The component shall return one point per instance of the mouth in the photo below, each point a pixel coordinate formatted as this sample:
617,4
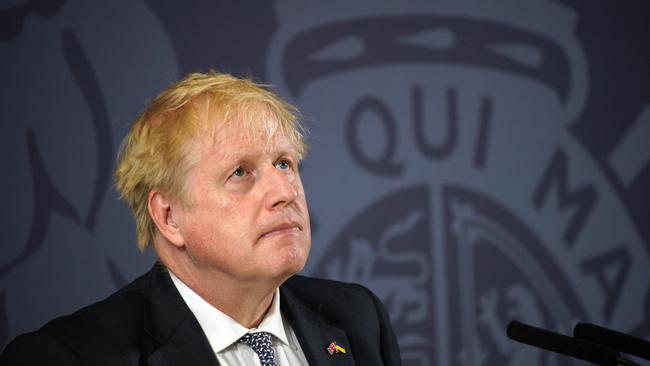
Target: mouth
282,229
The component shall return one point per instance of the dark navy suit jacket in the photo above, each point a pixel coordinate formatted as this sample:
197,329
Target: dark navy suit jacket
148,323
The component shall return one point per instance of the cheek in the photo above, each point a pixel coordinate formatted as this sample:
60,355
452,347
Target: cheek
218,228
215,246
200,231
302,202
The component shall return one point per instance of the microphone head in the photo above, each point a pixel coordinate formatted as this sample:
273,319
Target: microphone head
614,339
562,344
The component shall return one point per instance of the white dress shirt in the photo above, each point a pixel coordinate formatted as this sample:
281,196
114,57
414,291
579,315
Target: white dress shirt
223,332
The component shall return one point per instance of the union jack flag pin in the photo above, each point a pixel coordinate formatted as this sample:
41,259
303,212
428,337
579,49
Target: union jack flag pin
333,348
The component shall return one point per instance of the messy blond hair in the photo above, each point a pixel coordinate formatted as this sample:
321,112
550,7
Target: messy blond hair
154,152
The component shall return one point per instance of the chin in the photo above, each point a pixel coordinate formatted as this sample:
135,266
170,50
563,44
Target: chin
297,262
294,260
288,256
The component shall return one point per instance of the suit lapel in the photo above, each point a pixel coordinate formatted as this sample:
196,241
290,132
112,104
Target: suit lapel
187,346
314,334
178,338
172,325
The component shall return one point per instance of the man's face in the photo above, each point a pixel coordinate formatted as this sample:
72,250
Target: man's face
247,218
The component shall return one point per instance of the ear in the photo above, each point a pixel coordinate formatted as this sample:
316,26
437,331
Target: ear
163,211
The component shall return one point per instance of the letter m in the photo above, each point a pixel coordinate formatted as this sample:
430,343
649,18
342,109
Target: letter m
581,199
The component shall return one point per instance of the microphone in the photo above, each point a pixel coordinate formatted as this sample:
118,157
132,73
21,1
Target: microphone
577,348
611,338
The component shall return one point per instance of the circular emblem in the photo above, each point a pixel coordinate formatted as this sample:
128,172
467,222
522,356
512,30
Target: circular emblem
446,179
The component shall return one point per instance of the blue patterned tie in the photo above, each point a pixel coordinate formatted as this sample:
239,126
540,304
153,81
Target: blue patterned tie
260,343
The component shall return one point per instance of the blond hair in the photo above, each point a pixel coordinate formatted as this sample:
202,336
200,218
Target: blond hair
154,154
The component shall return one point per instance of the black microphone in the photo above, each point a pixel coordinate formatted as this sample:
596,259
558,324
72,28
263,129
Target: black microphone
577,348
614,339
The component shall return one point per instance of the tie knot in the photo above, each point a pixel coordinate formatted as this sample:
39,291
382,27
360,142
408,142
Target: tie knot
260,342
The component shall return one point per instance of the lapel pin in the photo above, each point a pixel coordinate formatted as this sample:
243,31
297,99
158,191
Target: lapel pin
333,348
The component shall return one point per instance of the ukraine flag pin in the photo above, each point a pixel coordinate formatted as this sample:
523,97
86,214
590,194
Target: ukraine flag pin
333,348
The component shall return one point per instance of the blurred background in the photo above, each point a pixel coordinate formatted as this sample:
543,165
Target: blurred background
471,162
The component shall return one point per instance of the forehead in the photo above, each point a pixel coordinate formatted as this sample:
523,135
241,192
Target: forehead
232,139
247,121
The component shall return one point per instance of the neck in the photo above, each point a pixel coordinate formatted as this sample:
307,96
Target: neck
246,302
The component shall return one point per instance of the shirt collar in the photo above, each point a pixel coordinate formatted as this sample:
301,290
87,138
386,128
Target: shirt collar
220,329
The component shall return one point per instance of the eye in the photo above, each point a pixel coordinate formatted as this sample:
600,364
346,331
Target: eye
239,173
283,165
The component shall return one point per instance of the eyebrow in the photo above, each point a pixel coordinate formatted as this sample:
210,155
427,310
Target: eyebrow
246,155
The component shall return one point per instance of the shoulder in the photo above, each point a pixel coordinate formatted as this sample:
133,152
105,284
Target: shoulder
38,347
81,335
104,320
349,307
328,290
341,302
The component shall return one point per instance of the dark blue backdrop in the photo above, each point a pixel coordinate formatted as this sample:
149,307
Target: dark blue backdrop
472,162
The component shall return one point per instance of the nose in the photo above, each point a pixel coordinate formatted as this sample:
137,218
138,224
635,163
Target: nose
280,188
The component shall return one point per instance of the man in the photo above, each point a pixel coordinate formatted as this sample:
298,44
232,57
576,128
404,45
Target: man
210,170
